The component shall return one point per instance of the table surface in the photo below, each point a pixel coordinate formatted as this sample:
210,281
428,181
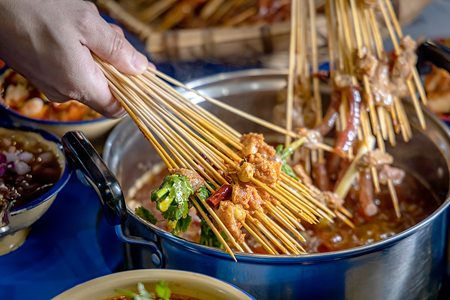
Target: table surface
63,248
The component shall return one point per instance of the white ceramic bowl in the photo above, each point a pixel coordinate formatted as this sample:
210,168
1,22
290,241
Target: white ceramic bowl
92,129
22,218
180,282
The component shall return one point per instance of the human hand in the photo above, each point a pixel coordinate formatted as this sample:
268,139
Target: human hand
50,43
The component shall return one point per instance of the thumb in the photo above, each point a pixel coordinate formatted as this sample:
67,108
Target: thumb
115,49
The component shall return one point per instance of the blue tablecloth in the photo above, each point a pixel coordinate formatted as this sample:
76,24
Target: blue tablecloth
61,251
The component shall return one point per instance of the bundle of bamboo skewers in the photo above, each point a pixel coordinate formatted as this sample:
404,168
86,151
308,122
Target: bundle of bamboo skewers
189,137
357,56
181,131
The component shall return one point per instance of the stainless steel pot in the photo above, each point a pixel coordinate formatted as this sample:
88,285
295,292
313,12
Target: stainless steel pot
406,266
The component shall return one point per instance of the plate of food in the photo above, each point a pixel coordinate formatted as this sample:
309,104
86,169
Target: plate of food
26,105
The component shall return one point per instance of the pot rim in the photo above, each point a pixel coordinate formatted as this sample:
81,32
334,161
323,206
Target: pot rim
284,259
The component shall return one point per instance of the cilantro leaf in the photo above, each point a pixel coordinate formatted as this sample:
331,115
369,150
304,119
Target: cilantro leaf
182,225
144,295
162,290
126,293
146,214
144,292
207,236
203,193
172,199
288,170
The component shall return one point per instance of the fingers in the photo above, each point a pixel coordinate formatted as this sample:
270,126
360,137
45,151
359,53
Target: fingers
93,6
120,31
117,29
112,46
98,95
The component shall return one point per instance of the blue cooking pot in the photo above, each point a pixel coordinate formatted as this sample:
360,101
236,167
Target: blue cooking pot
409,265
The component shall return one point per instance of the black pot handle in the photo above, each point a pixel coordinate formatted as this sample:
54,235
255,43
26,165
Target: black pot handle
81,155
432,52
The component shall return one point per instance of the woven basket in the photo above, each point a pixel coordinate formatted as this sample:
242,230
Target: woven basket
219,44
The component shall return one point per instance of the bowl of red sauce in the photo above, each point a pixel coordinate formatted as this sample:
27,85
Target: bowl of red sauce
24,104
33,169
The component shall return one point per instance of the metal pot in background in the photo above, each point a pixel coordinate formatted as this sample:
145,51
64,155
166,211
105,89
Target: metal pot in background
406,266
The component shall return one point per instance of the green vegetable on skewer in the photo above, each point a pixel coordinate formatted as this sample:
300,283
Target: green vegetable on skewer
172,199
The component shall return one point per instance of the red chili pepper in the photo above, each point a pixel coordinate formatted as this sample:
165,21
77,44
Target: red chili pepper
323,75
331,115
320,177
349,134
206,159
221,194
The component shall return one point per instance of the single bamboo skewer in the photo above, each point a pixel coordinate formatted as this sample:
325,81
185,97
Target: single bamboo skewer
291,74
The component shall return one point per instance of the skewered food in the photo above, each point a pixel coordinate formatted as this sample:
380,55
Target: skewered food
164,15
437,87
18,94
249,189
372,213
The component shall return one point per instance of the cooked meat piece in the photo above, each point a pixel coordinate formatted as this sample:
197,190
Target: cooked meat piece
381,87
388,172
342,80
437,83
302,88
268,172
408,44
312,138
440,105
266,197
279,112
300,172
231,215
331,200
398,87
195,180
366,194
403,65
374,158
303,112
437,87
247,196
382,95
240,195
366,65
381,75
254,143
246,172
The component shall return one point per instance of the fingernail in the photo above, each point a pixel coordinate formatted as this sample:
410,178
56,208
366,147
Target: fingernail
140,62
